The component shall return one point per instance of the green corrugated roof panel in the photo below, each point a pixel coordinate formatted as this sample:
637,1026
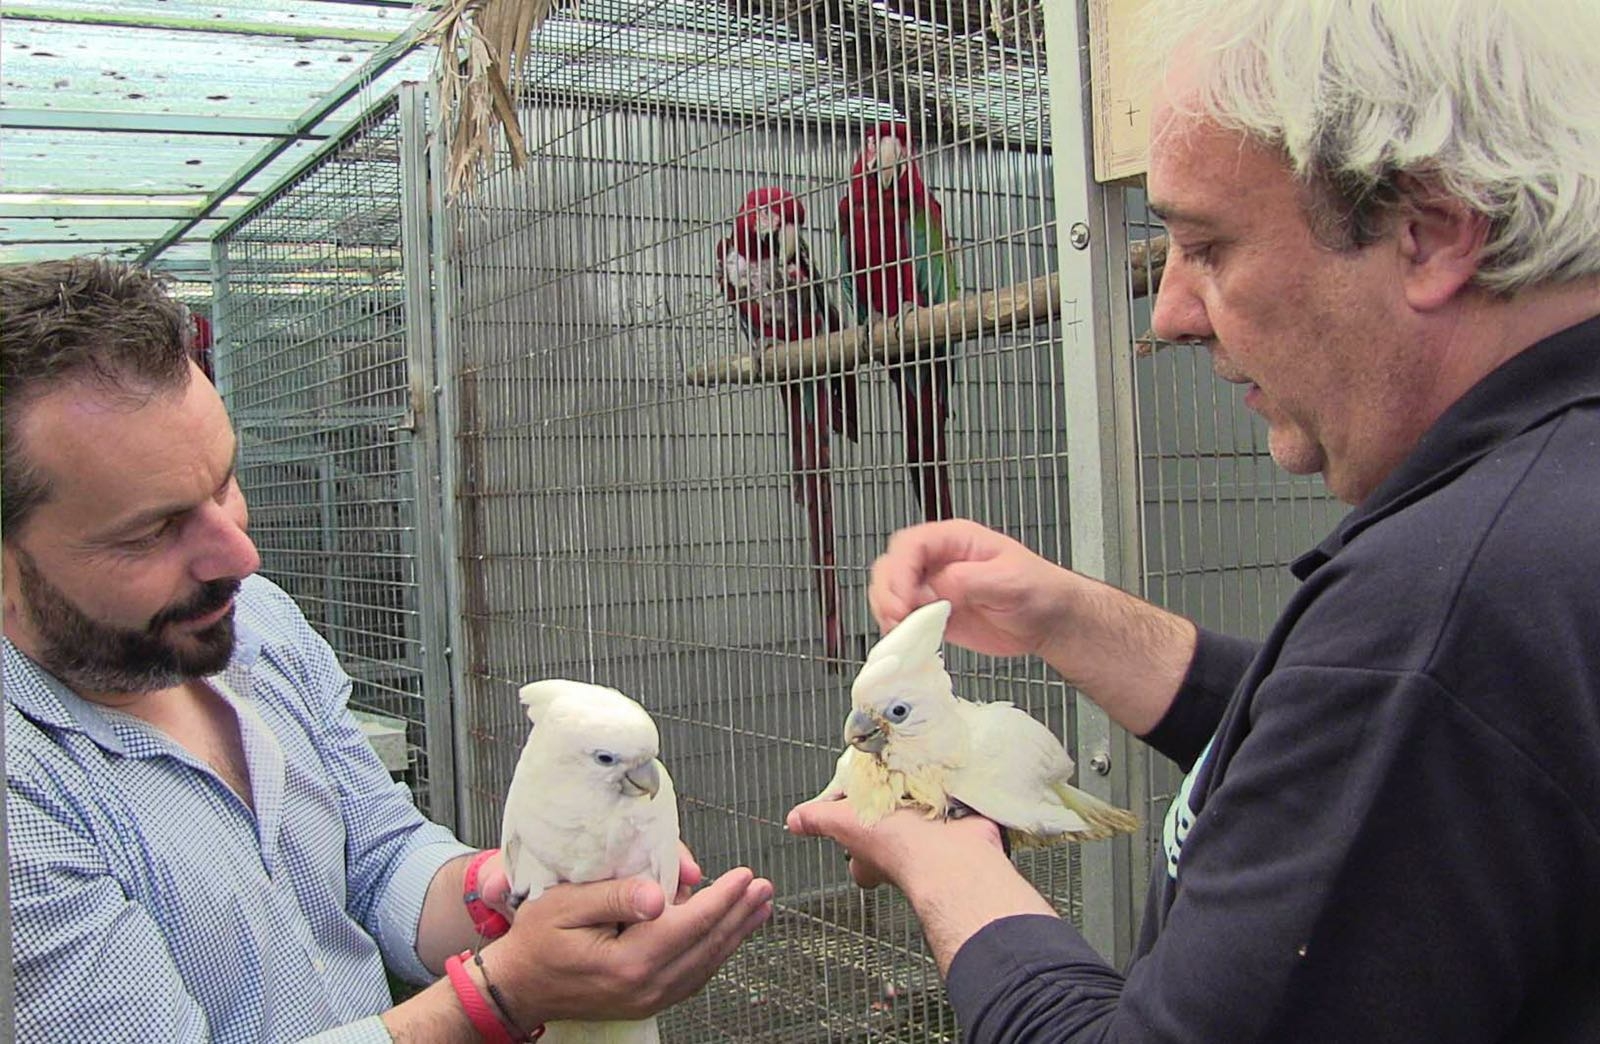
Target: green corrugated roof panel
166,100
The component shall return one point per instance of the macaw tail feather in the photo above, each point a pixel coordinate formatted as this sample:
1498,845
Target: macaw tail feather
844,406
924,397
810,455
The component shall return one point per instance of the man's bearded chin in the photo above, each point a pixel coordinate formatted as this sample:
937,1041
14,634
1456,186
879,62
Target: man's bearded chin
90,656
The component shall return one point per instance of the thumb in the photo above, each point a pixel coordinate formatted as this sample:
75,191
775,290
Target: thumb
626,901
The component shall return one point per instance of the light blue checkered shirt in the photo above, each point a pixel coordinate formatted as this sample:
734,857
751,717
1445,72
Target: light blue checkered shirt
149,903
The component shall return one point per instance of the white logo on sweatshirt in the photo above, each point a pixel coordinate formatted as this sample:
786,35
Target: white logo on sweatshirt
1180,815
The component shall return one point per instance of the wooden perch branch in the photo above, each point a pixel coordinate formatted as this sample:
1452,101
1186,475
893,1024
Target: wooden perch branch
917,329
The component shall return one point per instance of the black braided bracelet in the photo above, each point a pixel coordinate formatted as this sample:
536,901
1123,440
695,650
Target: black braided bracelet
500,1002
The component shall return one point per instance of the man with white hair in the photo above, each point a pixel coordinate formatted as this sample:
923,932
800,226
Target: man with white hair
1385,225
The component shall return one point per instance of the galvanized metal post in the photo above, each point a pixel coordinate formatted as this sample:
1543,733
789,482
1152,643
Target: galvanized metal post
1100,447
442,398
433,602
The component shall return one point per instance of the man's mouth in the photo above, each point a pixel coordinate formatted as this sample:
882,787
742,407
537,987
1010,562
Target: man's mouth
213,603
207,619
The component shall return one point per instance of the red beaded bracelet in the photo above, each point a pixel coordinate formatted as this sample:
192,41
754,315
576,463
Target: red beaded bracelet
479,1013
490,923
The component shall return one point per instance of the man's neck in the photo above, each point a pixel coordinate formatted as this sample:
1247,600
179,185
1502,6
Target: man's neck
197,718
1486,332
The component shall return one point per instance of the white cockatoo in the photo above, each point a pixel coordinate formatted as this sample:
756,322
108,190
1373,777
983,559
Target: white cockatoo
589,801
912,741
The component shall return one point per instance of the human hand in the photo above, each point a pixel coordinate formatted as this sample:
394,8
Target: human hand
1005,600
905,848
954,871
494,886
617,949
689,874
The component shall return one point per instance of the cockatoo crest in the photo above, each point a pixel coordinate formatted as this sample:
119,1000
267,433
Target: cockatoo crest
903,687
592,729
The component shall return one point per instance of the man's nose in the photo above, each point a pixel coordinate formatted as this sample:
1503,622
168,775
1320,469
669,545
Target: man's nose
226,549
1179,313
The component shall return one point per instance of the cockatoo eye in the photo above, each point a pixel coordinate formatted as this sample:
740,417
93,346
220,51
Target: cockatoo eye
605,757
899,710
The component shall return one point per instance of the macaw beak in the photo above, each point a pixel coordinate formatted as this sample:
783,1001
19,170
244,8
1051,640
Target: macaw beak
863,732
889,156
646,779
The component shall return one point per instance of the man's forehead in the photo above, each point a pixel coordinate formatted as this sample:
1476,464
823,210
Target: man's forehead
1204,174
105,454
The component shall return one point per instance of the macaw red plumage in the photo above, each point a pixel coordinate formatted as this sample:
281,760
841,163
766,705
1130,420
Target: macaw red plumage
893,256
765,272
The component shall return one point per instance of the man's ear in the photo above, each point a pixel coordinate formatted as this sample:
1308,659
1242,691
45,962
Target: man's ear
1441,240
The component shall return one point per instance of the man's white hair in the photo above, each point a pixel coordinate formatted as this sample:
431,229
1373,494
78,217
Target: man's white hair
1496,102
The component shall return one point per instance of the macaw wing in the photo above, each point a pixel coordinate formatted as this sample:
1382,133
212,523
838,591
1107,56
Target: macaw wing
935,268
855,304
824,315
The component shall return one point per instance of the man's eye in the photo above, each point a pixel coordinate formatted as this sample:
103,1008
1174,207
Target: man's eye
147,540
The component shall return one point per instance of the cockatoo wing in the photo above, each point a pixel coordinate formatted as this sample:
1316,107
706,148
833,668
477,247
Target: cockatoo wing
1017,775
661,837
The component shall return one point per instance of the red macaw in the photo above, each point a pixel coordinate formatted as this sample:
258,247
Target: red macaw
765,271
893,255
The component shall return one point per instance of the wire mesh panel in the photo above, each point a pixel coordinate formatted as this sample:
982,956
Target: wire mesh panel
638,502
313,363
1219,520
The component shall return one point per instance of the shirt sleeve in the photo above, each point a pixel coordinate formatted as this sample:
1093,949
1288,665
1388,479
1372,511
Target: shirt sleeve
1356,793
392,850
1214,674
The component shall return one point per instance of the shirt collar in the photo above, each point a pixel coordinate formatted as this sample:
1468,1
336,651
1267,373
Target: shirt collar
1534,385
46,700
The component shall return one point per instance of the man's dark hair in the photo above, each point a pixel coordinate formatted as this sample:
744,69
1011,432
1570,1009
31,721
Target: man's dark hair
81,319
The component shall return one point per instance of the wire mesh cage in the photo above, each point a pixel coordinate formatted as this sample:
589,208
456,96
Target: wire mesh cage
779,278
637,503
313,362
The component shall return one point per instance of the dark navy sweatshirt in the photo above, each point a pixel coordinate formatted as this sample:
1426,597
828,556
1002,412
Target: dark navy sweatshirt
1390,827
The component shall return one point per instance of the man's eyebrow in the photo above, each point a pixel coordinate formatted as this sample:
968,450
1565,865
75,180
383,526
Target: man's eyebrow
150,516
1169,213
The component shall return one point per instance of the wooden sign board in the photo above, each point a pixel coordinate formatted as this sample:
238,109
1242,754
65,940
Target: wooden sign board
1119,100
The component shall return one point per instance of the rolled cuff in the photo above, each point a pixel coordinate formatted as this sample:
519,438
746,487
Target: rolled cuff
400,912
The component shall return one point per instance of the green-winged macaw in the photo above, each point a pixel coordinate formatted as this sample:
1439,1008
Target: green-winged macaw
765,272
894,256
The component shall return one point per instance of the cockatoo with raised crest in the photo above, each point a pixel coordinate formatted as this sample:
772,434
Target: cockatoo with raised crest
589,801
912,741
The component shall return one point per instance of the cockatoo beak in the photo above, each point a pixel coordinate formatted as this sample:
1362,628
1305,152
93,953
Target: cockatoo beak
646,779
864,733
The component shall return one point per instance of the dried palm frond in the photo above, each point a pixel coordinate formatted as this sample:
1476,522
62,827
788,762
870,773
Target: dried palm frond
483,48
